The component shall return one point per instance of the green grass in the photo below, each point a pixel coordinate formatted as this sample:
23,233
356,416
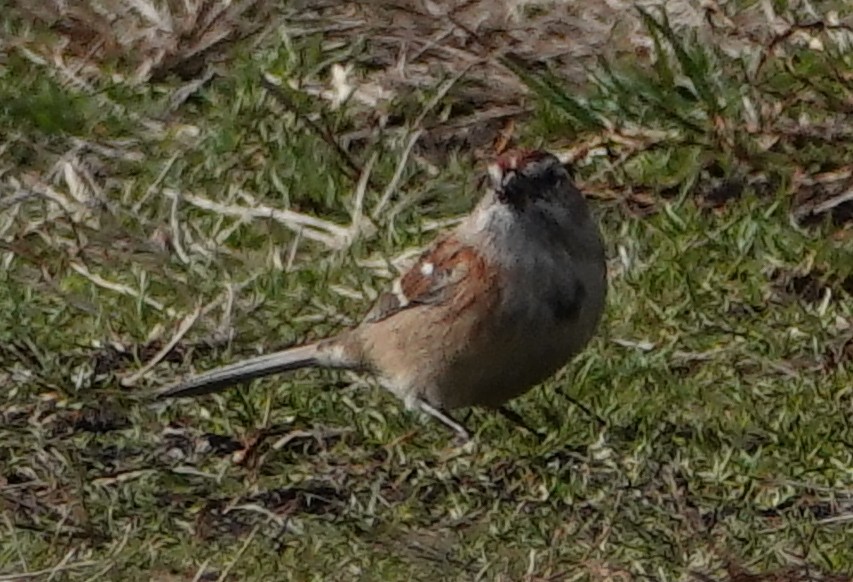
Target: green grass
707,429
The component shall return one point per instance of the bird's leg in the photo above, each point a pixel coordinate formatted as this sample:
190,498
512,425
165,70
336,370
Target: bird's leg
584,408
516,418
445,419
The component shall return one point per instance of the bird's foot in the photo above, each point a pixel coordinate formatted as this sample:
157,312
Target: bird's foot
462,436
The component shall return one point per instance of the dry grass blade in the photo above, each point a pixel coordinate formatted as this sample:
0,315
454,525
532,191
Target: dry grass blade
185,326
120,288
328,233
61,567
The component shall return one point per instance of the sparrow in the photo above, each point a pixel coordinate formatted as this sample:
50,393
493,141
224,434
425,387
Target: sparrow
491,309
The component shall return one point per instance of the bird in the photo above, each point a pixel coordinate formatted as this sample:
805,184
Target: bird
492,308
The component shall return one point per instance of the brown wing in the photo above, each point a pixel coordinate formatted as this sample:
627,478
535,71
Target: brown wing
435,278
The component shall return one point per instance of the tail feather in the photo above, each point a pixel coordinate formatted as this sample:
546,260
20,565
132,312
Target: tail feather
219,379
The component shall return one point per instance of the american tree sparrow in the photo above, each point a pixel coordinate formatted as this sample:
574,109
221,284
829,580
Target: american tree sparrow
491,309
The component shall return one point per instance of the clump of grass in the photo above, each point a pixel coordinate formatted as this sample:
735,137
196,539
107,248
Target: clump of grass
772,117
154,39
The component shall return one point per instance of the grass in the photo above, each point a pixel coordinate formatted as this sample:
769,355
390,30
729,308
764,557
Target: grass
706,433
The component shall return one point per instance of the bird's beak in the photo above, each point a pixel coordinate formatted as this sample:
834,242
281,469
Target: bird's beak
495,176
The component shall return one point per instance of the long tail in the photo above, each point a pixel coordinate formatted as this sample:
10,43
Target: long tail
221,378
